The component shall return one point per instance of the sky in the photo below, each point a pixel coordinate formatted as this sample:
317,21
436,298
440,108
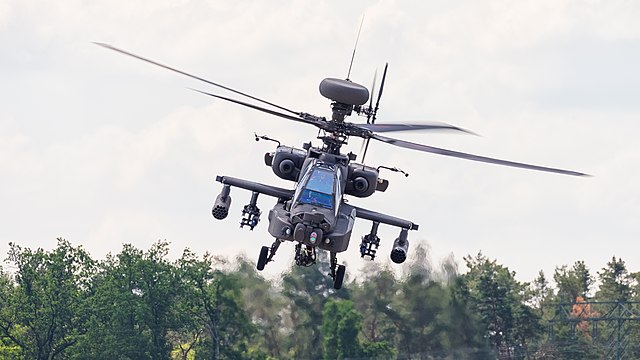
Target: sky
102,149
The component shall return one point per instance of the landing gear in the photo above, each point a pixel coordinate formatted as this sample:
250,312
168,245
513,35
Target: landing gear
305,255
262,259
337,272
267,253
337,281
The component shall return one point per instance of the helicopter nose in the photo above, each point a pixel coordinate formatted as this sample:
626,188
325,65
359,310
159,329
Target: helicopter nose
313,217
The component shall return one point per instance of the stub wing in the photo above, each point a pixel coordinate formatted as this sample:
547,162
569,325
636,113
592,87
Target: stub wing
384,219
280,193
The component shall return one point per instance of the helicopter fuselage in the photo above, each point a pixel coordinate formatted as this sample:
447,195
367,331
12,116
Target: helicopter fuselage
316,215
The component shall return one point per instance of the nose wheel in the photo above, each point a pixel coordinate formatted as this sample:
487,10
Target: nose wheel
339,277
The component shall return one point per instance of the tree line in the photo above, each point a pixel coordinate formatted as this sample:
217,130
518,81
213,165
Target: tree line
139,304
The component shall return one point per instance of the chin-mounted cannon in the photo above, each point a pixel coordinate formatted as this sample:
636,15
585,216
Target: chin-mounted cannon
400,247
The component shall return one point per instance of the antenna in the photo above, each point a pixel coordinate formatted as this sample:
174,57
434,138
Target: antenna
355,47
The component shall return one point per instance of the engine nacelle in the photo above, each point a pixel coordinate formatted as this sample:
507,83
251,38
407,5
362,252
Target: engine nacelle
221,205
287,162
400,248
362,180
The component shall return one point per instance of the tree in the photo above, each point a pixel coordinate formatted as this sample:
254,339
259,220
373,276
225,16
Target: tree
213,299
132,308
417,310
9,349
263,303
43,313
573,282
510,324
373,299
419,322
117,326
615,282
158,287
306,290
576,346
464,324
540,292
582,311
341,324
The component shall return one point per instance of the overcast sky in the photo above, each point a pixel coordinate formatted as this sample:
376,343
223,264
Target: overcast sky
102,149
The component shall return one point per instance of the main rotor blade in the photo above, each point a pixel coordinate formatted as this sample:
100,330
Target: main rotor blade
435,150
384,77
314,122
194,77
411,127
365,142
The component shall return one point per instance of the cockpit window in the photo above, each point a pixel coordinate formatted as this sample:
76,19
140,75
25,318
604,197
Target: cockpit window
315,198
321,180
319,188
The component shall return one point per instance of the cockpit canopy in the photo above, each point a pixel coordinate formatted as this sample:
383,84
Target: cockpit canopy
320,186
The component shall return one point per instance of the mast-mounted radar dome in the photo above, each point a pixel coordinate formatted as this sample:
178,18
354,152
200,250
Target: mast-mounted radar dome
344,91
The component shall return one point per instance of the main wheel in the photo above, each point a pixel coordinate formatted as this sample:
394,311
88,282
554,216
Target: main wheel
262,259
337,282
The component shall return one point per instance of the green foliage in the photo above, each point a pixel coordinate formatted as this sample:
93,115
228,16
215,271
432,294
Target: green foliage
540,293
381,350
573,282
500,301
43,312
263,303
9,350
132,304
61,304
574,345
306,290
615,281
213,305
341,325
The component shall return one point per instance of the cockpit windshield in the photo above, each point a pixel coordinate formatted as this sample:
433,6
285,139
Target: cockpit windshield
319,188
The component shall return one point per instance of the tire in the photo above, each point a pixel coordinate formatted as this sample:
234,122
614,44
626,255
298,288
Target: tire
337,282
262,259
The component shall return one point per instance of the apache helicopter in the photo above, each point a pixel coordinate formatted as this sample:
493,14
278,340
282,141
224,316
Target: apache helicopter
315,214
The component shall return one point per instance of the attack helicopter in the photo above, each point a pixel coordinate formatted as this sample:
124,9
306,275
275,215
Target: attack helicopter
315,214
